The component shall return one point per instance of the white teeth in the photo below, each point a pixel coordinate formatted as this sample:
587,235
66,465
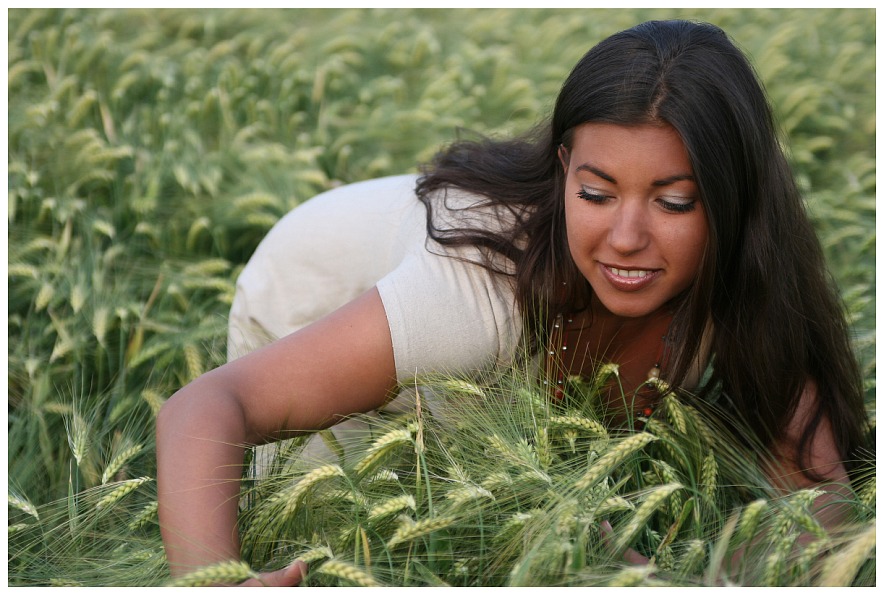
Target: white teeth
625,273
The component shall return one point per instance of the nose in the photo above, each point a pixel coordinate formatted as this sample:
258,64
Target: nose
628,232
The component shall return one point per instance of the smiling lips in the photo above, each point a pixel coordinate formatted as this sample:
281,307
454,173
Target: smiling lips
629,279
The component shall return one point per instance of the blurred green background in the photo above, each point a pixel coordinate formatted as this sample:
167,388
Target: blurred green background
150,151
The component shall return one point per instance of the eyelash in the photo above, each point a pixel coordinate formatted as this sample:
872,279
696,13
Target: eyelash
672,207
594,198
678,207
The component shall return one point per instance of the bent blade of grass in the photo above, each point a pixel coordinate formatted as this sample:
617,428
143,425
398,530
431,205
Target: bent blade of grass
719,551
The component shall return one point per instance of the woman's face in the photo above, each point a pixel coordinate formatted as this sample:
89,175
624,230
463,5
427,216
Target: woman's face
635,223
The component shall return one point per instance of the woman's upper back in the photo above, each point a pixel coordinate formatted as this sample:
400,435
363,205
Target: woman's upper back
446,314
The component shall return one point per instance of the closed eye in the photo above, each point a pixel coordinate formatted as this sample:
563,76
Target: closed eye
592,196
678,207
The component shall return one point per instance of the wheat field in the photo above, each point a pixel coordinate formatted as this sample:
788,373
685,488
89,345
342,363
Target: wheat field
149,151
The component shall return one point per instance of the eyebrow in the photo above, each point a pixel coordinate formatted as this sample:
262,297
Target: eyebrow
664,182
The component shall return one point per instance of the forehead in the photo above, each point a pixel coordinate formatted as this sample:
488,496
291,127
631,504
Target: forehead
612,145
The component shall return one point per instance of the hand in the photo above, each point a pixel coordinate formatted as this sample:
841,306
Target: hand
290,576
630,555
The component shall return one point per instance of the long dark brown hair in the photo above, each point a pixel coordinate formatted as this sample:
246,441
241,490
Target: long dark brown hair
774,316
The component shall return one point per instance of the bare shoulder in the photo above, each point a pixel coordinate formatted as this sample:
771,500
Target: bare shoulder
821,455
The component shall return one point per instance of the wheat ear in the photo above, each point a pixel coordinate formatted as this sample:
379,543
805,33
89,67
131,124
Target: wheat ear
147,513
577,422
316,554
524,458
382,446
118,461
614,457
841,568
692,558
709,476
654,500
22,504
121,490
675,413
632,576
409,530
294,495
750,520
223,573
348,572
392,505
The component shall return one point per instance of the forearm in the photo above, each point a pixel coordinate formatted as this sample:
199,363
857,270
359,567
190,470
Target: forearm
200,439
272,393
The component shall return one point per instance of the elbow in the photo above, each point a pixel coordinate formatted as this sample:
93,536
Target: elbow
169,417
204,409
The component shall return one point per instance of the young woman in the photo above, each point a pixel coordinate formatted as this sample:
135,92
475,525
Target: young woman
653,221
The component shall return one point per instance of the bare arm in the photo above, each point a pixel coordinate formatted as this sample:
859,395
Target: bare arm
823,459
340,365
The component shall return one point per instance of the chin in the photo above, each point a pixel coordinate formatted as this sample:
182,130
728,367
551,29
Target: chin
629,310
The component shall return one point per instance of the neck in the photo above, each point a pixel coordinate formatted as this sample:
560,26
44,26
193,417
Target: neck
597,313
597,336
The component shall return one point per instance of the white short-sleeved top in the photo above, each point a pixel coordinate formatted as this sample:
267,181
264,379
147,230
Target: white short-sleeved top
445,314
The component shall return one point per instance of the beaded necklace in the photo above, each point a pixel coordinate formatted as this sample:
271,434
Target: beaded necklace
555,369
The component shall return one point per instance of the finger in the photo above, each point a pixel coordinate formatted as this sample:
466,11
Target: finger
290,576
630,555
606,528
607,532
633,557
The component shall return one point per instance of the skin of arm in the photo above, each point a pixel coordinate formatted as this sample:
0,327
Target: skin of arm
341,364
823,459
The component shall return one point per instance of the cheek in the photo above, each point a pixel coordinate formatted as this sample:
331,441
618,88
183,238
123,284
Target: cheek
582,228
691,241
